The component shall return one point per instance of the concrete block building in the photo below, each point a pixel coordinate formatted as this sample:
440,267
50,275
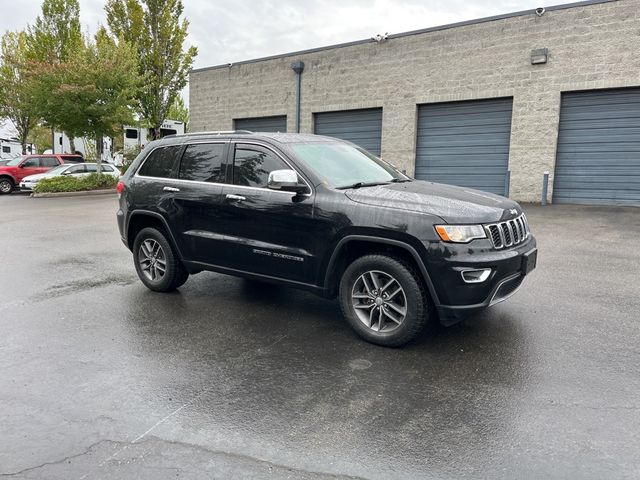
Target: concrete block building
489,104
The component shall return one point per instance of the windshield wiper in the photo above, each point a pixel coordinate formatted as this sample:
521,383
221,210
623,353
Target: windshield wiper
401,180
361,184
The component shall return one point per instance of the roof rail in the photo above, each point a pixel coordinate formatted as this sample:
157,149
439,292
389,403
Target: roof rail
217,132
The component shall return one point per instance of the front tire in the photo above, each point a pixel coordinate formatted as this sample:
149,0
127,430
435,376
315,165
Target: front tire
384,300
6,186
156,262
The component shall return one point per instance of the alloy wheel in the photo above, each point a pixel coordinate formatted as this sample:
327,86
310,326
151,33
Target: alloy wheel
152,259
379,301
5,186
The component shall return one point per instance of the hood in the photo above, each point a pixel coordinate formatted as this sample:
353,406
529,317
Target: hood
452,204
34,178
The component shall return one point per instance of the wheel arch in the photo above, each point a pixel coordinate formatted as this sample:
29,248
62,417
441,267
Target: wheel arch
366,244
140,219
8,177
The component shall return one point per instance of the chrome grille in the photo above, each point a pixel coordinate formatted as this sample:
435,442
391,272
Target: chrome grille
509,233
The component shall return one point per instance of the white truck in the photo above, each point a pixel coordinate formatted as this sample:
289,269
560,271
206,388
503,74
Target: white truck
138,137
83,146
11,148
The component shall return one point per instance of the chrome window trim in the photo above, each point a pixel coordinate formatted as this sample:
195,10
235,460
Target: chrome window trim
232,141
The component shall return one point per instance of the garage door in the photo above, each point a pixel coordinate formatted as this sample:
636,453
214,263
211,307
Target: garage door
598,158
262,124
362,127
465,143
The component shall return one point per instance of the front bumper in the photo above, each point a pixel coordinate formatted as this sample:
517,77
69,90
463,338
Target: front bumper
27,187
457,299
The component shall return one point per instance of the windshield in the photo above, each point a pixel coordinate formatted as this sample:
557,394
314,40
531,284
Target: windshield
58,169
15,161
342,165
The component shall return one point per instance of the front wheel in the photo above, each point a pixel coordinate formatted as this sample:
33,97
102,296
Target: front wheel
157,263
384,300
6,186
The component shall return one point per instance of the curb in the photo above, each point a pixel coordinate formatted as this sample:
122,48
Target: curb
85,193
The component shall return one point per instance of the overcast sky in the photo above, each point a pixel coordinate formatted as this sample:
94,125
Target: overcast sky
230,31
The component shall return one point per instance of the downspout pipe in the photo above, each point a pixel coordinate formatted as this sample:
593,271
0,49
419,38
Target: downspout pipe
298,67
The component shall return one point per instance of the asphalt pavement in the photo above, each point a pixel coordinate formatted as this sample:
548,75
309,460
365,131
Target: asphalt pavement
101,378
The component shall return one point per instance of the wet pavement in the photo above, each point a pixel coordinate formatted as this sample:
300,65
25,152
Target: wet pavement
101,378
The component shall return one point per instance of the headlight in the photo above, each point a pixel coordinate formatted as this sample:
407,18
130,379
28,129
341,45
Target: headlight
460,233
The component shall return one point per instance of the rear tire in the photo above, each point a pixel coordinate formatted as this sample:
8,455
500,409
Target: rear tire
384,300
6,186
156,261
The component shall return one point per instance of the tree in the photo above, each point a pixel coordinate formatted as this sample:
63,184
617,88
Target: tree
16,103
40,136
56,33
157,31
92,92
56,36
179,111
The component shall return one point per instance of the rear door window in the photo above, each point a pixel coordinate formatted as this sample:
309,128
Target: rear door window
71,158
49,162
160,163
203,162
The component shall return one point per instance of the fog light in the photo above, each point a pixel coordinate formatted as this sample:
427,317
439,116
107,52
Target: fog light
475,276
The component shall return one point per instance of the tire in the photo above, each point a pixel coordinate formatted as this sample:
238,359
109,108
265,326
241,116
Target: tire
6,186
152,252
363,309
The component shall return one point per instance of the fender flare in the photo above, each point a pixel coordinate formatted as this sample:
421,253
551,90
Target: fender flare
157,216
10,177
386,241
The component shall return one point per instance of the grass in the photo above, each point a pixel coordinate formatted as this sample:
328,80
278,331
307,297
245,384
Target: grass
72,184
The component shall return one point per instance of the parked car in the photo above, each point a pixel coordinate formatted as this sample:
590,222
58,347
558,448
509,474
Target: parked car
77,170
12,173
324,215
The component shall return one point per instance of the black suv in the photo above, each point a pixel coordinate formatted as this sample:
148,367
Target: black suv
324,215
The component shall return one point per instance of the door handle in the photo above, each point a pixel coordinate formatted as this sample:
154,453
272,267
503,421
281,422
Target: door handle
238,198
171,189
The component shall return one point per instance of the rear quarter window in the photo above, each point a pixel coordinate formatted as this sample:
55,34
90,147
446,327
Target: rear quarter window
160,163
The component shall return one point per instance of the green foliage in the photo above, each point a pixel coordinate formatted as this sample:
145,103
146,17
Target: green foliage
90,93
179,111
158,33
40,136
73,184
16,103
56,33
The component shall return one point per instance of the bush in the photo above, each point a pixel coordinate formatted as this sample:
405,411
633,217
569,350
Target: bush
72,184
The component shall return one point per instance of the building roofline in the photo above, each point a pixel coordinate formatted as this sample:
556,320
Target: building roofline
521,13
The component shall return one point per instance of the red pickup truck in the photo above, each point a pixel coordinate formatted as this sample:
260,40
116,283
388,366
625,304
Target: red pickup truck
15,170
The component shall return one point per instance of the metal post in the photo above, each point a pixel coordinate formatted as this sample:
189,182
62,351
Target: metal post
507,183
298,67
545,187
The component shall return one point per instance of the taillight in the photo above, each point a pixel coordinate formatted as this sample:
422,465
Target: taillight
119,188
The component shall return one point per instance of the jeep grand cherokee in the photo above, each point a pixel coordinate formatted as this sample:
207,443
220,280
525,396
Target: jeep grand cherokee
324,215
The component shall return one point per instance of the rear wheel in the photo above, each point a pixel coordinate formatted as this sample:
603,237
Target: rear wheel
6,186
384,300
156,262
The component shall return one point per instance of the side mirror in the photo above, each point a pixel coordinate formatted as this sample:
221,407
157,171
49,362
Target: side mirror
286,181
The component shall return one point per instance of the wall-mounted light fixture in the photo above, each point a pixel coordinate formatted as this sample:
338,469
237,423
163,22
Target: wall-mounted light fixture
539,56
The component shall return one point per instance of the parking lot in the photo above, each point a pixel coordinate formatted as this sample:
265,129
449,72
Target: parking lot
101,378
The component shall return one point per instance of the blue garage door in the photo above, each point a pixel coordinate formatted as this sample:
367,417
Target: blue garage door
262,124
465,143
362,127
598,158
